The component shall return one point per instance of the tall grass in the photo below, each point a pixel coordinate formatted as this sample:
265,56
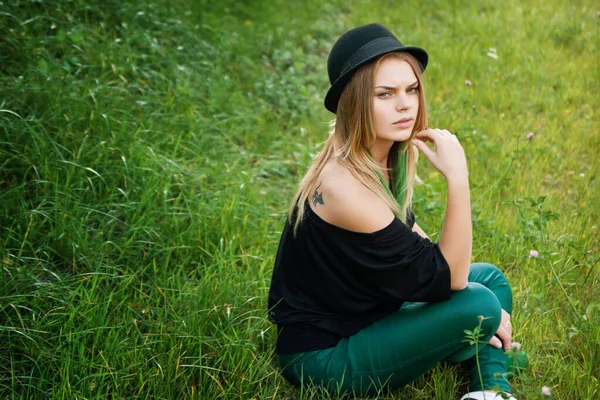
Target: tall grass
148,152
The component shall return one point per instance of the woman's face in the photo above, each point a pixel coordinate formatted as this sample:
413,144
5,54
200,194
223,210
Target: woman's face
396,101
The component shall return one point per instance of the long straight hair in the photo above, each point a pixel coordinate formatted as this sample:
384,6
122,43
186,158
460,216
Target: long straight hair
351,136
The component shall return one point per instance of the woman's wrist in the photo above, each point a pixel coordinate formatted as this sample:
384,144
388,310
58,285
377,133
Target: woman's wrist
458,181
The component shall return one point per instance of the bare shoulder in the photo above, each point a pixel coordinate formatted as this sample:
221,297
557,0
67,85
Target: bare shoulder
340,199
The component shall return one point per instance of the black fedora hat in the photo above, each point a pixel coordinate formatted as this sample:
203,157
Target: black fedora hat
357,47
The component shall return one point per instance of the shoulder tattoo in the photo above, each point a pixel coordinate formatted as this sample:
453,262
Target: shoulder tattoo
318,197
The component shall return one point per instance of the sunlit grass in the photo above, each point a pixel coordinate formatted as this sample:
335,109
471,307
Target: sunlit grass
148,152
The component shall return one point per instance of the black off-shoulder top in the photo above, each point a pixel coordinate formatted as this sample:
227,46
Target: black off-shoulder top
329,282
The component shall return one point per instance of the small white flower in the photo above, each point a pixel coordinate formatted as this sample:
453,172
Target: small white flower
179,47
546,391
534,253
140,13
582,174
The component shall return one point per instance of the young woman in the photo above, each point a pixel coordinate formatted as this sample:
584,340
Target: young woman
363,300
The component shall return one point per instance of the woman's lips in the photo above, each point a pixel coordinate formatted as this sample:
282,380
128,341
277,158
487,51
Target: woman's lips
403,123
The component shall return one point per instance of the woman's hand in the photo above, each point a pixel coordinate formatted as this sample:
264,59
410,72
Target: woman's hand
503,337
448,156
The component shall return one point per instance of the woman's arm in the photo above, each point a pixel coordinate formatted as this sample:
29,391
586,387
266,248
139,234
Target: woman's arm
456,239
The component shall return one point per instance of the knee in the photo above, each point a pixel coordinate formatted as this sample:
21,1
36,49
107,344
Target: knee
479,301
488,270
491,277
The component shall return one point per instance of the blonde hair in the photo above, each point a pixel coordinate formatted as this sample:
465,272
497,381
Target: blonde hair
353,134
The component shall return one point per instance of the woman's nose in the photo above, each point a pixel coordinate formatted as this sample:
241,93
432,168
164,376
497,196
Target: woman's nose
403,102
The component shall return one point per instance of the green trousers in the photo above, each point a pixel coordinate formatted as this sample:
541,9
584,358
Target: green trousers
406,344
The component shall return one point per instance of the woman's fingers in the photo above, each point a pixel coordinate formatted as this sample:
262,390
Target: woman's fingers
497,343
503,337
424,148
428,135
448,156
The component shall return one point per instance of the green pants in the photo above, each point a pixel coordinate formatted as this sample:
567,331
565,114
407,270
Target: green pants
404,345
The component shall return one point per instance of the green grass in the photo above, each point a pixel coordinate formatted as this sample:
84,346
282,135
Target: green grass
148,153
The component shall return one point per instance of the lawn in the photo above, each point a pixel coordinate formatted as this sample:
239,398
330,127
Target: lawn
149,151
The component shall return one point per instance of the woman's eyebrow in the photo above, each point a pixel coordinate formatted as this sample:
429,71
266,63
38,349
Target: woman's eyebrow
394,87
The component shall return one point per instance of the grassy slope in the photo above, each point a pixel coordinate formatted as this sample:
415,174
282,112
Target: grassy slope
147,153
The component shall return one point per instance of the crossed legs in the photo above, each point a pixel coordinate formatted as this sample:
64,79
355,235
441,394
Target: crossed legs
406,344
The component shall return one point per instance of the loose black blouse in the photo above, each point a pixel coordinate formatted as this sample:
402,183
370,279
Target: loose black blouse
330,282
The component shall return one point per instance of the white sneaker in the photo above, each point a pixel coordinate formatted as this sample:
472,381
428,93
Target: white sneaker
485,396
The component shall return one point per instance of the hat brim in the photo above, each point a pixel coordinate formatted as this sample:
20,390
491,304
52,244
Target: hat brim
335,91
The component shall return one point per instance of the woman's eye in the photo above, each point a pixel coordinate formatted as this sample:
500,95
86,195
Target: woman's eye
383,95
413,90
